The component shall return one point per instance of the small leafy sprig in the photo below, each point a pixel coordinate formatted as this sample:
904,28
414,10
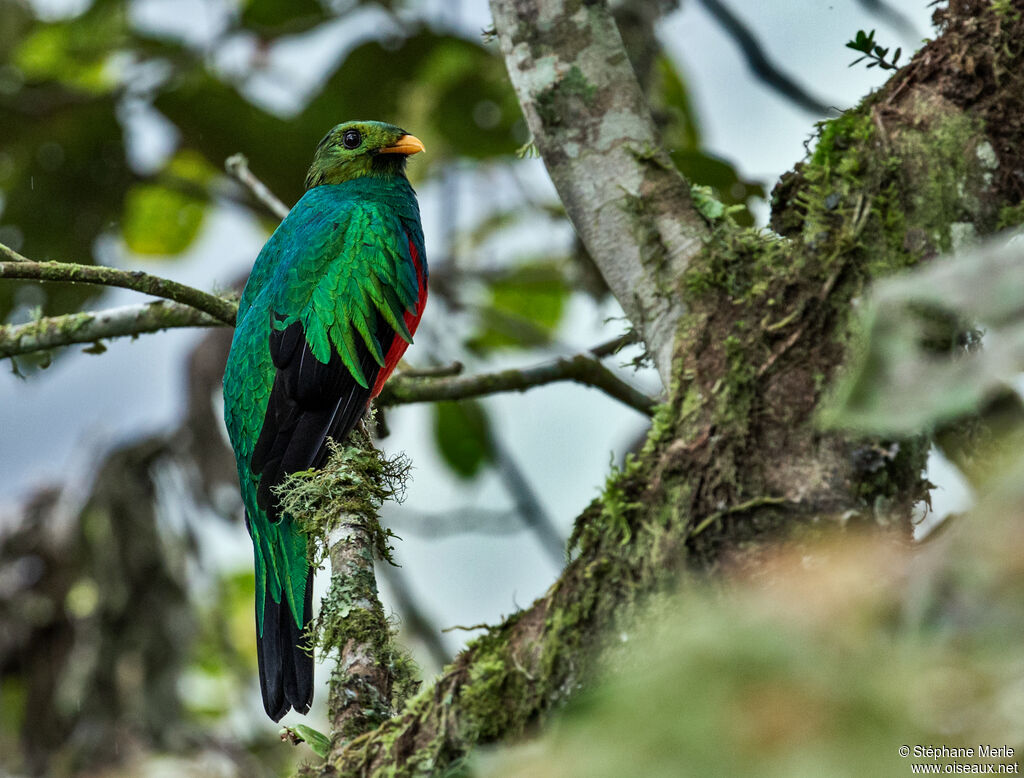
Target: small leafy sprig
865,44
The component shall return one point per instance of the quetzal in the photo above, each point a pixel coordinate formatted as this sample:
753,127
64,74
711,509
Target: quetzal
331,304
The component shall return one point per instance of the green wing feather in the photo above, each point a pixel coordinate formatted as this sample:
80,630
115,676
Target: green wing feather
341,256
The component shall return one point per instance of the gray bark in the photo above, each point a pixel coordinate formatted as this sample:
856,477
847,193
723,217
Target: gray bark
592,126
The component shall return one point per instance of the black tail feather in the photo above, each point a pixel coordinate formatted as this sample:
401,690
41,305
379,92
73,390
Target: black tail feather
285,661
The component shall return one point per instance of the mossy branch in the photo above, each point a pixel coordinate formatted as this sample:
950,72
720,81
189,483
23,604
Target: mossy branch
94,326
580,368
188,307
337,507
15,266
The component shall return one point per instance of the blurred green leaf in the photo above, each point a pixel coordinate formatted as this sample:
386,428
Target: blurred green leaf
58,145
495,223
273,18
462,98
75,52
705,203
188,166
15,19
222,661
12,707
217,121
671,100
451,93
704,169
913,370
463,434
276,18
681,135
163,218
524,308
159,220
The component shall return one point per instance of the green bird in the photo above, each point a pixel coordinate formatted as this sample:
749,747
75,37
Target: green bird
331,304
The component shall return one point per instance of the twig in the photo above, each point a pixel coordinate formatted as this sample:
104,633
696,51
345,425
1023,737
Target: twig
337,506
16,266
757,502
786,345
458,521
581,369
414,620
528,506
441,371
470,628
362,684
238,167
892,16
10,255
93,326
760,64
612,346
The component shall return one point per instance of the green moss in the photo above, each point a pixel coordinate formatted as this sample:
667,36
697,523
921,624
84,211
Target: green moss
351,614
739,262
551,102
663,424
374,710
616,505
944,160
485,699
1005,8
1010,216
575,84
355,482
646,236
863,205
348,611
884,211
349,491
837,136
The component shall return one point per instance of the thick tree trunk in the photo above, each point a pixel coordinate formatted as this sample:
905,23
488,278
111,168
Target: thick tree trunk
749,328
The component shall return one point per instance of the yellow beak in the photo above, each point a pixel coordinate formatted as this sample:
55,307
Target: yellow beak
407,144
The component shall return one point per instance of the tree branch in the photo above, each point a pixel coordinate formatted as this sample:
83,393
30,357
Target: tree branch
581,369
92,326
759,63
15,266
528,505
337,507
438,371
414,620
613,346
238,167
891,16
592,126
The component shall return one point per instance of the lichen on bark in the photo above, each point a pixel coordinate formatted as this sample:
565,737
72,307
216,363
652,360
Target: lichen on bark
50,332
590,121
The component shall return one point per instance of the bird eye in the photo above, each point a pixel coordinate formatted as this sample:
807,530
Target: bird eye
352,139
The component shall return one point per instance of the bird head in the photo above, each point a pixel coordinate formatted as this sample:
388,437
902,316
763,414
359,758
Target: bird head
357,149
